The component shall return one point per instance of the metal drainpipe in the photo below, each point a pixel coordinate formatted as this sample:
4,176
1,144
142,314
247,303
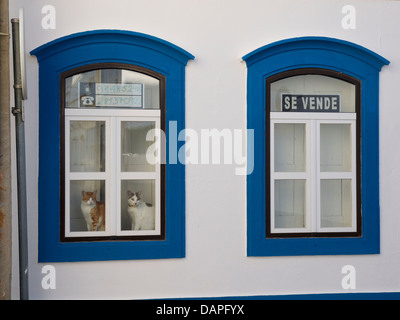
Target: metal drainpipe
18,112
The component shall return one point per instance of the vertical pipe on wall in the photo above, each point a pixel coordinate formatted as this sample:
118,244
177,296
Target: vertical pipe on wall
5,155
18,112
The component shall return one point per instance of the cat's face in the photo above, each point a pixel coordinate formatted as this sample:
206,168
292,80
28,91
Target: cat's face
89,197
133,198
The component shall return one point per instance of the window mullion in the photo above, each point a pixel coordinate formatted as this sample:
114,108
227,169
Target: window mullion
317,180
111,155
158,177
66,222
313,163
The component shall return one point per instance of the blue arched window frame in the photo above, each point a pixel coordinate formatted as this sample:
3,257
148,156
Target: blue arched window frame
324,53
108,46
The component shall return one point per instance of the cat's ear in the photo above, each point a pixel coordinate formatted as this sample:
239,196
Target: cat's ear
130,193
139,193
83,193
94,192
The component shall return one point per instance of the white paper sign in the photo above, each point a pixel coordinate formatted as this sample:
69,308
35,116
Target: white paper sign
119,89
111,95
119,101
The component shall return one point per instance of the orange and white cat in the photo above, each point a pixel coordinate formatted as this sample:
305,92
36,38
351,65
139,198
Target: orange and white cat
142,213
93,211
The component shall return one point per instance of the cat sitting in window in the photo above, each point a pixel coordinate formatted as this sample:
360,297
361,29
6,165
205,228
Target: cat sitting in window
141,213
93,211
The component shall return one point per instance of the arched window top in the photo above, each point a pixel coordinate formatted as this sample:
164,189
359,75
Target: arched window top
323,52
109,41
320,82
113,85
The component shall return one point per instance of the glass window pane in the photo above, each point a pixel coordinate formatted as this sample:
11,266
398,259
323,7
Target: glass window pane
87,146
336,203
335,144
134,146
112,88
314,93
87,205
290,147
290,203
138,207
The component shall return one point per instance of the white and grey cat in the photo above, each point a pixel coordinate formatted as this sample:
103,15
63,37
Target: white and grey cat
142,214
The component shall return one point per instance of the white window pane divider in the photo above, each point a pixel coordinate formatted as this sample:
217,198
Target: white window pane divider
153,175
305,175
338,175
80,176
312,174
296,116
112,174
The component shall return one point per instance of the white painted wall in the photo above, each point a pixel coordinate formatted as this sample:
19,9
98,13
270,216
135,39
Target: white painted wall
219,33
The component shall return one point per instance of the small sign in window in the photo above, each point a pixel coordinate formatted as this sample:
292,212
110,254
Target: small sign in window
110,95
310,103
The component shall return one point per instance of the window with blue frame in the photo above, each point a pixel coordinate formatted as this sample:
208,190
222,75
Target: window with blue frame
113,178
313,104
105,192
313,158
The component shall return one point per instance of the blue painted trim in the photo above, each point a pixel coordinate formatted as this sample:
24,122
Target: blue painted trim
330,44
315,296
325,53
96,47
112,36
